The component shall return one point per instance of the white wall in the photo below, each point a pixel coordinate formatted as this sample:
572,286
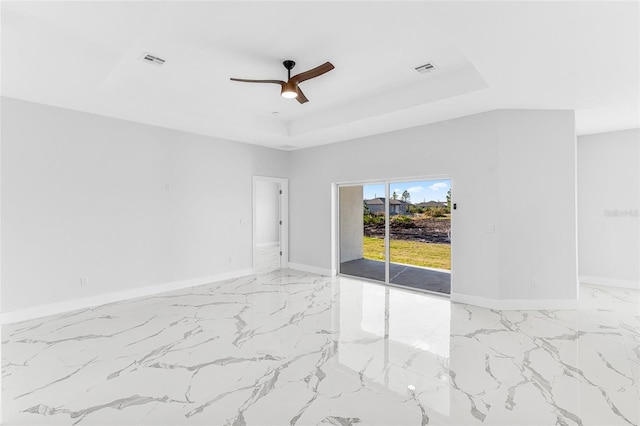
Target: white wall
608,208
490,180
126,204
537,216
130,205
351,223
267,213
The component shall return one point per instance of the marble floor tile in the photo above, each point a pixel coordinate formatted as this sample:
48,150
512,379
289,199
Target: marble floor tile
289,348
267,259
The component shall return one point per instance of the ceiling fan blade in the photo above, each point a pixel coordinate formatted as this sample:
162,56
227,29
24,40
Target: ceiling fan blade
312,73
301,97
281,83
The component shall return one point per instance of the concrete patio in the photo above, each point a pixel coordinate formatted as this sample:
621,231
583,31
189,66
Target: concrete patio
405,275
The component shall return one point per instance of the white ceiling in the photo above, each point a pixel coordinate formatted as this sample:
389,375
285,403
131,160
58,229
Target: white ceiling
489,55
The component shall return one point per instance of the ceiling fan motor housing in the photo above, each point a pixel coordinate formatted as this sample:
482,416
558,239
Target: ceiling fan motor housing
289,89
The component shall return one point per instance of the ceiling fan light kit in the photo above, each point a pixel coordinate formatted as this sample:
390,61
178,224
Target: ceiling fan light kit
290,89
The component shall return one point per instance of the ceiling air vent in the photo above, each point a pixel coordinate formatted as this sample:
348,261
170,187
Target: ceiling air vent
152,59
428,67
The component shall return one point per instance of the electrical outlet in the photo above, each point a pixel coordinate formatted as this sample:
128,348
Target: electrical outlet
230,260
534,283
84,281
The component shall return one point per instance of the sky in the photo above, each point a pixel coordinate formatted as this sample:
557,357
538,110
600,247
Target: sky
430,190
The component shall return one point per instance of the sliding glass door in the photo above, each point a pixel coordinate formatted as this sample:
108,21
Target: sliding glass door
397,232
362,231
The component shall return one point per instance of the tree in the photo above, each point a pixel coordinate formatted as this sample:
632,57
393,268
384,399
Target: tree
394,196
405,196
449,200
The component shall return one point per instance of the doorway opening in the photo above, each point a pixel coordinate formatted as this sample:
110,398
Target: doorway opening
397,232
270,214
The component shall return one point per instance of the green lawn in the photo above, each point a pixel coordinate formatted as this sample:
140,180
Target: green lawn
410,252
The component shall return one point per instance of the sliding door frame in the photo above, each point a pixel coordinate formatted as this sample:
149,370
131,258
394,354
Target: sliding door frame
335,221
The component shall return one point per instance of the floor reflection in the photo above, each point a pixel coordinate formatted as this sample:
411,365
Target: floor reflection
406,338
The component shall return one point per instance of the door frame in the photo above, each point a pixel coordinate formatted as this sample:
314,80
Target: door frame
387,182
283,184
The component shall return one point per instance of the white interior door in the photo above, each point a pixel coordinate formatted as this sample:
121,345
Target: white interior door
270,208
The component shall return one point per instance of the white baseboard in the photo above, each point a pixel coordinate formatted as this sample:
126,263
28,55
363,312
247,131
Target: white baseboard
271,244
102,299
516,304
609,282
310,269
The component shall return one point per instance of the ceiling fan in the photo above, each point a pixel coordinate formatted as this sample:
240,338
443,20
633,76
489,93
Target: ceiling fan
290,89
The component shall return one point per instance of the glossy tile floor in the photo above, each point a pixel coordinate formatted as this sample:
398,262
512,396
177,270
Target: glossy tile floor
288,348
267,259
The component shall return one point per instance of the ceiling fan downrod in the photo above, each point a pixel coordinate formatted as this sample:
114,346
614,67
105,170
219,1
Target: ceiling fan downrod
289,64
